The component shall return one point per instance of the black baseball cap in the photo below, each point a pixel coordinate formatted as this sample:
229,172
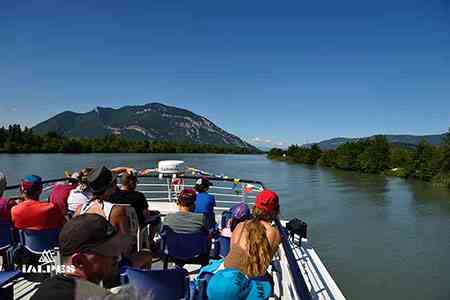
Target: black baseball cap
100,179
91,232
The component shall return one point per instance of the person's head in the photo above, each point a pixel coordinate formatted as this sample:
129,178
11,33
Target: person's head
202,185
92,246
129,181
232,284
186,200
3,183
31,187
239,213
102,183
266,209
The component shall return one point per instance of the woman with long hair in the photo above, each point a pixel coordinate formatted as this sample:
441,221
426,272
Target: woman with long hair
254,242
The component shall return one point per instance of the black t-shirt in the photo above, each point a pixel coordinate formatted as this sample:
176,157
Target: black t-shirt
57,287
135,199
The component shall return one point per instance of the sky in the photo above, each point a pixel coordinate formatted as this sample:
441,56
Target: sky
274,72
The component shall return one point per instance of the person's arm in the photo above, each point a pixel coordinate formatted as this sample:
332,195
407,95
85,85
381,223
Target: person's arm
120,170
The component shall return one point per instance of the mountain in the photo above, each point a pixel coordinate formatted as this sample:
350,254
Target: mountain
401,139
153,121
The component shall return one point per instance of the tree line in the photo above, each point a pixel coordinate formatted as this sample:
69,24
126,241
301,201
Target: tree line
14,139
376,155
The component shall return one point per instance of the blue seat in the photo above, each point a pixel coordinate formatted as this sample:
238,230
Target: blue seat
6,245
6,240
37,241
224,245
164,284
7,293
183,248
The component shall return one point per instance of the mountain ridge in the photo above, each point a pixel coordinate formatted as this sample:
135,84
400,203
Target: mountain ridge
151,121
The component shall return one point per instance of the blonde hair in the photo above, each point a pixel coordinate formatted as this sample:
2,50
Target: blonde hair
259,248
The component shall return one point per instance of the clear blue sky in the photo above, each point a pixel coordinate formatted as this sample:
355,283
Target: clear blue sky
288,71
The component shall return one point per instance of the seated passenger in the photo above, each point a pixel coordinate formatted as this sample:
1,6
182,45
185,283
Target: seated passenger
186,220
5,204
33,214
231,218
90,248
128,195
81,194
254,242
61,191
204,202
102,183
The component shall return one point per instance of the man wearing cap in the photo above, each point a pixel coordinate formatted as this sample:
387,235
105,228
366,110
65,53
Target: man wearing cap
33,214
90,247
5,204
204,202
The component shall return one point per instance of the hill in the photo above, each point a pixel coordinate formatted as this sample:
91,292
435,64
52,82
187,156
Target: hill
153,121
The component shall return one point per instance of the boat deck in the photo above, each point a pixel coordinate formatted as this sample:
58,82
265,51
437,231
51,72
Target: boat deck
297,270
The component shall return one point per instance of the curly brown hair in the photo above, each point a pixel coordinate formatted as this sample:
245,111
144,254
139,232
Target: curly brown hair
259,248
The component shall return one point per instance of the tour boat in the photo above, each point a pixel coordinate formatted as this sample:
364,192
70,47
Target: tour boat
297,270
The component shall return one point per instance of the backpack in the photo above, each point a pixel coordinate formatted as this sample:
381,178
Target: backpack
297,227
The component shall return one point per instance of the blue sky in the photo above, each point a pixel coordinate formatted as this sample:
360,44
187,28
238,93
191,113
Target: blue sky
284,71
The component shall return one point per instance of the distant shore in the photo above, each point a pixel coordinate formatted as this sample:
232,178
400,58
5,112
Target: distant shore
376,156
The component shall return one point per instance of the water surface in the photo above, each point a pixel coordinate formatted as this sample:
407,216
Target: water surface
380,238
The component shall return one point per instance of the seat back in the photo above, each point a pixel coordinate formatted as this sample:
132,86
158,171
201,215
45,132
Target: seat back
163,284
6,240
224,246
37,241
184,246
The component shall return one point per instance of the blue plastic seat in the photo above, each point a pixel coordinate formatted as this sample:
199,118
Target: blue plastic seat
164,284
7,292
183,248
224,245
6,240
37,241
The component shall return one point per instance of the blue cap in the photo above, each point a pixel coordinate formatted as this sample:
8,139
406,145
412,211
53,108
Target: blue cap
232,284
31,183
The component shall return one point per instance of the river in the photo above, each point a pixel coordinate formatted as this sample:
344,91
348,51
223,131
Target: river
380,238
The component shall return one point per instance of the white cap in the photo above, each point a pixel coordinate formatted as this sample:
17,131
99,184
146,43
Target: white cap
2,182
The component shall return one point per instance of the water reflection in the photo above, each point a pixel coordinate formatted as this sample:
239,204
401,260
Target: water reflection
375,187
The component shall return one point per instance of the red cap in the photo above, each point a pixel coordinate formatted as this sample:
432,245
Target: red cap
267,201
187,196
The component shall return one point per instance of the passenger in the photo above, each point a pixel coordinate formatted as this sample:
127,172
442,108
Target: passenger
204,202
254,242
186,220
61,191
90,248
81,194
5,204
129,195
33,214
230,219
102,183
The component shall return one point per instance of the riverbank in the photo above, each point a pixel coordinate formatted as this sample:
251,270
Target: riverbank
15,140
425,162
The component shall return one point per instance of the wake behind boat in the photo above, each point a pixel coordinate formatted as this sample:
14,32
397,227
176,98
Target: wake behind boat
296,269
